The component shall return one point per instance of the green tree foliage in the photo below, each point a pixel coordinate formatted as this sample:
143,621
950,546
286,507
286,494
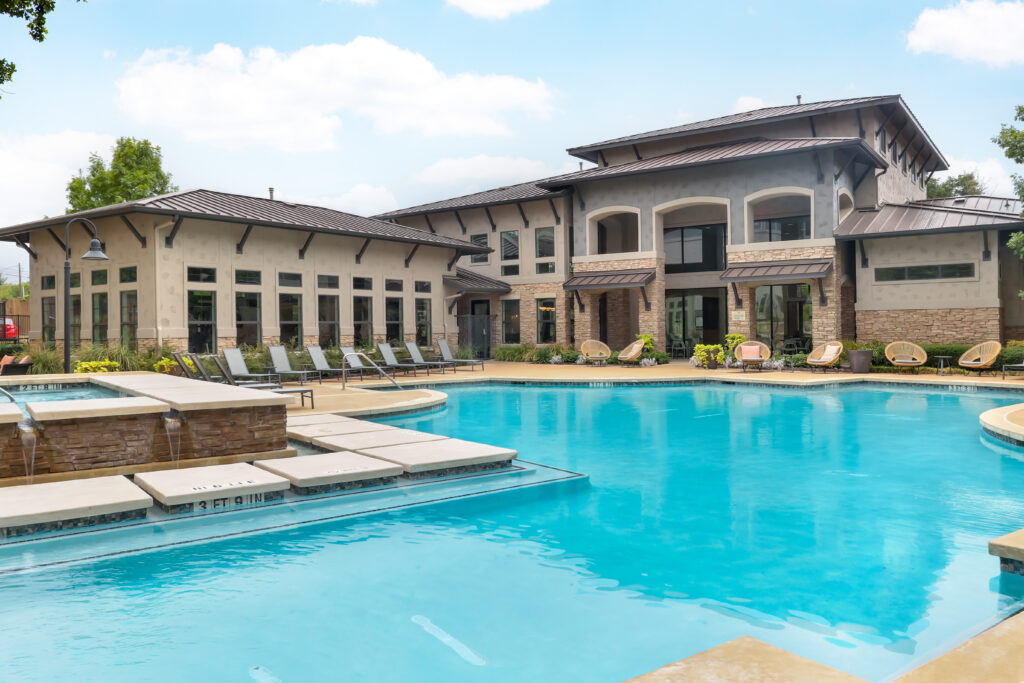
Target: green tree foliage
135,172
34,12
954,186
1011,139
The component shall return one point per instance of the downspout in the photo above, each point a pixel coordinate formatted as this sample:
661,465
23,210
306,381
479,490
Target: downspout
156,281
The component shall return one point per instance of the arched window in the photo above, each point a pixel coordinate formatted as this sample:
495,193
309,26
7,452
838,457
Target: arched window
780,215
614,231
845,204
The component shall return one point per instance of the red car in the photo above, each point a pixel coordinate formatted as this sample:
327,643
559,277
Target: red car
10,329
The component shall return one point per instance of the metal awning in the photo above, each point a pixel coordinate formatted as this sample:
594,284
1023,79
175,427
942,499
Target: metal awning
611,279
800,269
472,282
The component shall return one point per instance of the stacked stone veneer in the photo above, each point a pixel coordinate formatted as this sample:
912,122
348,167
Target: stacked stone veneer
125,440
931,325
624,305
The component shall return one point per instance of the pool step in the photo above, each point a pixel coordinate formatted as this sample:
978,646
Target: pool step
35,508
324,472
364,440
209,488
443,457
308,433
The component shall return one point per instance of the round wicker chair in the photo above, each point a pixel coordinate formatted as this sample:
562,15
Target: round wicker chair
904,354
981,356
632,353
753,354
595,351
825,355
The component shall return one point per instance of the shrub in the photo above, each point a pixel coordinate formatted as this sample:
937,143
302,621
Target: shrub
46,360
169,366
659,357
519,353
703,353
464,352
648,341
16,350
542,355
799,360
571,356
734,340
96,366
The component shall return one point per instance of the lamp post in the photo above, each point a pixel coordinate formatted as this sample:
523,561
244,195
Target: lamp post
95,253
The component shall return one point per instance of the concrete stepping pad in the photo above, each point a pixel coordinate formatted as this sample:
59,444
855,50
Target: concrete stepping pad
33,508
323,472
389,437
210,488
322,418
447,456
309,433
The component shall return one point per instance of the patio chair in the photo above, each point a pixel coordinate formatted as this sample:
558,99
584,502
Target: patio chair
302,392
753,354
980,357
240,371
904,354
595,351
448,357
186,369
204,374
283,367
391,362
632,353
19,368
316,354
825,356
417,357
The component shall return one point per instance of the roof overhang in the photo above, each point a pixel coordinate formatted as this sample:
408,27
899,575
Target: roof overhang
778,271
469,282
424,209
611,279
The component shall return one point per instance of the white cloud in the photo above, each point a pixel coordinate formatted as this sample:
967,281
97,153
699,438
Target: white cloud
109,54
496,9
296,101
481,172
972,30
992,173
747,103
362,199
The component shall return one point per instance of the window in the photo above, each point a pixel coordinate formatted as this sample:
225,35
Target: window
422,287
545,242
939,272
510,270
510,245
393,319
327,281
99,317
423,323
76,279
130,318
128,274
49,319
202,322
894,153
327,319
48,282
881,141
545,321
248,277
393,285
546,267
290,312
362,283
248,326
99,277
695,249
479,240
782,229
362,320
76,320
196,274
289,279
510,321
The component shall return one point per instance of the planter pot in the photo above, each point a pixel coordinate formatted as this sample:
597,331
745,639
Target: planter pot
712,364
860,360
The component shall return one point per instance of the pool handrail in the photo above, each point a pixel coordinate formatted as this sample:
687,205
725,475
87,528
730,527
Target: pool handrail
360,354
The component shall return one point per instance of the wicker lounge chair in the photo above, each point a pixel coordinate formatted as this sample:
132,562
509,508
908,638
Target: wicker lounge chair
283,367
417,357
904,354
448,357
595,351
632,353
391,361
981,356
753,354
826,355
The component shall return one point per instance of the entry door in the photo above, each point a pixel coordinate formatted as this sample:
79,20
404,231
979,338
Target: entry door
480,327
602,317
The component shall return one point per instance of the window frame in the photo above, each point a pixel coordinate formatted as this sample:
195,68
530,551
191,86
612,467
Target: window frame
508,336
240,281
390,324
129,319
191,322
906,278
332,326
543,323
501,242
200,272
424,324
48,332
257,323
480,258
47,282
133,270
282,276
100,323
291,322
327,281
358,324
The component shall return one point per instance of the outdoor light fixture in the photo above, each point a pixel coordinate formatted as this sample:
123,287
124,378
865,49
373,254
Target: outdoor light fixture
95,253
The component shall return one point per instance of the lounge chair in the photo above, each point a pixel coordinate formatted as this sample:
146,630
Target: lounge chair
19,368
595,351
355,363
417,357
632,353
825,356
240,371
391,362
753,354
283,367
448,357
316,354
186,369
204,374
303,392
981,356
904,354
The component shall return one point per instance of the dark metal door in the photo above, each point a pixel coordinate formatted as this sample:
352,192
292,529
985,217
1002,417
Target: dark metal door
475,328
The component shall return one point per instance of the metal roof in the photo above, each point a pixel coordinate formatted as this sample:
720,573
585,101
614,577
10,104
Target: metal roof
501,195
977,202
926,217
466,280
710,154
799,269
611,279
235,208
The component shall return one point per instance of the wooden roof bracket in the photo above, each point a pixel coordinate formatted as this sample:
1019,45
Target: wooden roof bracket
240,247
429,224
914,158
461,224
490,218
862,177
305,246
986,253
23,245
138,236
579,195
169,240
814,131
554,211
860,125
896,135
817,163
408,259
906,148
63,247
579,300
736,295
600,157
455,301
863,254
886,121
454,259
822,299
362,250
647,302
526,221
636,151
846,165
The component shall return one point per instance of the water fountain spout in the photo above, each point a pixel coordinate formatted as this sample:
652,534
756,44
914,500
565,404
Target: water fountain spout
28,432
173,422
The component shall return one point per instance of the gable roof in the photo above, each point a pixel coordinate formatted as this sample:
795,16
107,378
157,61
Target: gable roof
521,192
260,212
928,217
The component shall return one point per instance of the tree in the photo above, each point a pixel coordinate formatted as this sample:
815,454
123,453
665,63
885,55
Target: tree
954,186
135,172
35,12
1011,139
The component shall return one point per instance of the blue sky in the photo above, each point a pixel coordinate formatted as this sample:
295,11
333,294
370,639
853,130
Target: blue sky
367,106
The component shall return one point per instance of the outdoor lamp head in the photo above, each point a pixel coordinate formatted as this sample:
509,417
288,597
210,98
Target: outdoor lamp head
95,252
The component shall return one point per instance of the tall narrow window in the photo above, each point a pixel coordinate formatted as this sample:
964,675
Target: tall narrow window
510,321
510,245
130,319
423,323
290,311
202,322
49,319
393,319
248,326
327,318
481,241
545,242
545,321
362,320
76,320
99,317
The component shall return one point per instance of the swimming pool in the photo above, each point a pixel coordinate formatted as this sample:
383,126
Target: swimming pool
847,525
57,392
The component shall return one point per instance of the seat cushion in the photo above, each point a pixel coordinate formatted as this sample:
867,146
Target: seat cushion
750,352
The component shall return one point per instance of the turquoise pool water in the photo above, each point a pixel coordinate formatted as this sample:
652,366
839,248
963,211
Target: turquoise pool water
849,526
72,393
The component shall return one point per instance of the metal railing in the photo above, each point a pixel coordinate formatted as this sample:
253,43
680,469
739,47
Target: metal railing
359,354
8,395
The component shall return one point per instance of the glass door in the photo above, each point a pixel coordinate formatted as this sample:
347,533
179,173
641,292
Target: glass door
784,317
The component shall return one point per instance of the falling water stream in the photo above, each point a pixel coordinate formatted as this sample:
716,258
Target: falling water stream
172,425
28,449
